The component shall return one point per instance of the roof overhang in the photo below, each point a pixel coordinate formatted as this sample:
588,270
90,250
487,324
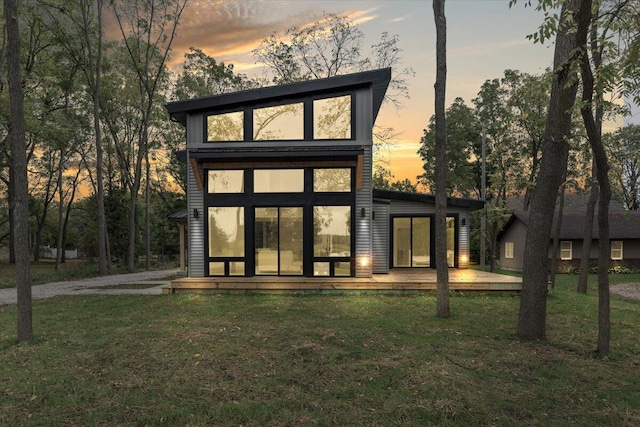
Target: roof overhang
470,204
377,79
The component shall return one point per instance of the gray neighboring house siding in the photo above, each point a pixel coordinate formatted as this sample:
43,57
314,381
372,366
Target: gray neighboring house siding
624,226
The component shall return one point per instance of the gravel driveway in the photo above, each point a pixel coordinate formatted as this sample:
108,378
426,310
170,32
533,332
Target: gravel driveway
98,285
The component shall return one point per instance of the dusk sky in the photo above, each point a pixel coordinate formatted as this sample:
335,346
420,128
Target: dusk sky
484,38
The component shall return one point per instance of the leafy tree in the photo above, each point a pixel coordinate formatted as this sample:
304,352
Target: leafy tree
464,143
623,148
573,24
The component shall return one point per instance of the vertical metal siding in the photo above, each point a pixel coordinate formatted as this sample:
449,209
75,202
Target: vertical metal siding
364,196
195,200
381,236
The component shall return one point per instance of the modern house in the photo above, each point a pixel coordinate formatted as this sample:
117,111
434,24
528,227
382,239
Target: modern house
624,236
280,184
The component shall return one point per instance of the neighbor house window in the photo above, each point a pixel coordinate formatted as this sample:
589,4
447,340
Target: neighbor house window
566,252
278,181
331,180
332,118
616,249
225,181
508,250
225,127
281,122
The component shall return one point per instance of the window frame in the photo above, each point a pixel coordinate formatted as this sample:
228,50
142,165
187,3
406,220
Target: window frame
508,250
570,249
621,249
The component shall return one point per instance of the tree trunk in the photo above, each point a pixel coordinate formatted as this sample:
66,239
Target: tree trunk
147,219
556,236
594,134
12,201
59,240
588,231
442,268
20,209
533,298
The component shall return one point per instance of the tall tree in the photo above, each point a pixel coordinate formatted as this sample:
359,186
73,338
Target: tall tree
148,28
442,269
571,36
623,148
19,159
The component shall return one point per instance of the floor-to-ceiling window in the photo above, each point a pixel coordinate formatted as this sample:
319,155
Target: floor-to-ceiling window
298,221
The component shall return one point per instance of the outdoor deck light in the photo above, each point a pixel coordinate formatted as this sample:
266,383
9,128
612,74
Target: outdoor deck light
363,213
364,261
195,213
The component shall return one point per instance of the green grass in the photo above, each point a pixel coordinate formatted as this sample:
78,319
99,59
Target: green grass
44,271
253,360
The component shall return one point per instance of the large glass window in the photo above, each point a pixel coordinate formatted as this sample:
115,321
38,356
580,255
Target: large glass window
332,180
421,242
332,118
332,231
226,231
402,242
278,180
281,122
225,181
225,127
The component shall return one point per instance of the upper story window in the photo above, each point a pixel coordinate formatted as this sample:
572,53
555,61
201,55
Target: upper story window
225,127
332,118
225,181
280,122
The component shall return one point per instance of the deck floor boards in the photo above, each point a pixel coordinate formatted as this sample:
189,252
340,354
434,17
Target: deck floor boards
396,280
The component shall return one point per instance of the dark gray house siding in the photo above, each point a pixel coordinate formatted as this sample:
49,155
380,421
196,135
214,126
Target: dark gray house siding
380,239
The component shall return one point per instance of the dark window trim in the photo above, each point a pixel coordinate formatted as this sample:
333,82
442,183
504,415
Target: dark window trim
307,117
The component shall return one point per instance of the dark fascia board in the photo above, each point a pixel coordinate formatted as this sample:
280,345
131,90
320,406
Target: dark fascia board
269,153
178,216
471,204
379,79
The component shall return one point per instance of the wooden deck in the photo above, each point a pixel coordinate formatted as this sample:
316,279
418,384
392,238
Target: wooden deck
396,280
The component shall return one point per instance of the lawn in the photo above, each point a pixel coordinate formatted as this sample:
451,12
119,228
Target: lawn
354,359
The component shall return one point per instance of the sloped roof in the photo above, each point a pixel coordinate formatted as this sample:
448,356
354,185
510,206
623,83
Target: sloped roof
378,79
178,216
622,224
427,198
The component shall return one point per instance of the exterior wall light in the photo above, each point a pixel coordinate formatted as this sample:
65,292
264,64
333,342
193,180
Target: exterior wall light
363,213
195,213
463,222
364,261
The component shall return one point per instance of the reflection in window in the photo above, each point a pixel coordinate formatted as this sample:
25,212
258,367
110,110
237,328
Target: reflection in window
332,118
451,241
321,269
421,247
225,181
225,127
332,231
281,122
331,180
278,180
402,242
226,231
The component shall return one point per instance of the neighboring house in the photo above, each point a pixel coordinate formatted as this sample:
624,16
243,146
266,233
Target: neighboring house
624,236
280,184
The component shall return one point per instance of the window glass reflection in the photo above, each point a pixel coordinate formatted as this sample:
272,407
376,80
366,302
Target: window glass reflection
332,231
332,180
226,231
332,118
281,122
278,180
421,254
225,127
225,181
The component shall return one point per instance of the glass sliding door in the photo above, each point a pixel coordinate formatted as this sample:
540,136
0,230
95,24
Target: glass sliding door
421,242
402,242
278,241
